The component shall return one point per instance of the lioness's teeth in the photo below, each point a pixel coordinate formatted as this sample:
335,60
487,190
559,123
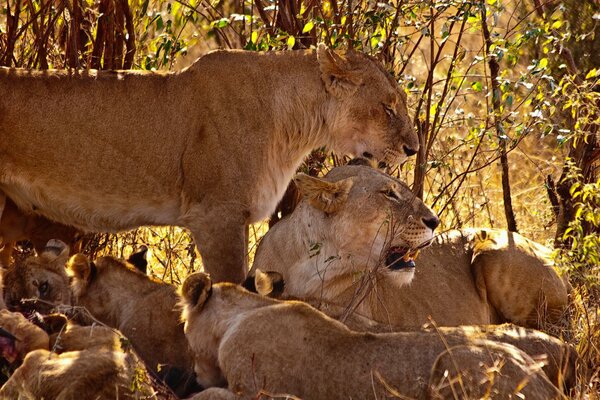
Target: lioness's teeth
410,255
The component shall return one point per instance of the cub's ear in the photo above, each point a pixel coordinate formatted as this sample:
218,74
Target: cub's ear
138,259
341,78
269,283
56,253
80,267
328,197
196,289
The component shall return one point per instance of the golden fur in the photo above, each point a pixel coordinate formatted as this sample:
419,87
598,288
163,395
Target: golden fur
99,370
473,276
253,343
16,226
40,277
212,147
143,309
323,242
116,294
28,336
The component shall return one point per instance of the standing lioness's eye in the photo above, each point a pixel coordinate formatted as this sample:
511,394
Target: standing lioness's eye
390,194
389,110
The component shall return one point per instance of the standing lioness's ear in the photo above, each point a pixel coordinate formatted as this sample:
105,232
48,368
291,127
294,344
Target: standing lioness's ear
341,78
196,289
328,197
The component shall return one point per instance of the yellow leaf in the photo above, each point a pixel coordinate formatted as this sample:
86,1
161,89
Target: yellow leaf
592,74
308,27
291,42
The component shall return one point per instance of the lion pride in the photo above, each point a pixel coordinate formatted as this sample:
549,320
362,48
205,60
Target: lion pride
211,148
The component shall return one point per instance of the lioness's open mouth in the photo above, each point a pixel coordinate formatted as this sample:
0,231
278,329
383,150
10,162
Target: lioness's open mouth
400,258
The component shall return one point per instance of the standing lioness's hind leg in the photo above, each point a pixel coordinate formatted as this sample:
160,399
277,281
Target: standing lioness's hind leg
223,246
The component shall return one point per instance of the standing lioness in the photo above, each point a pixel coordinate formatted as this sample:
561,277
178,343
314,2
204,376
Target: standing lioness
211,148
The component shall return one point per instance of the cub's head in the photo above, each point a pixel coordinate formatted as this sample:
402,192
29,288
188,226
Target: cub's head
42,277
94,283
18,336
209,311
371,117
359,219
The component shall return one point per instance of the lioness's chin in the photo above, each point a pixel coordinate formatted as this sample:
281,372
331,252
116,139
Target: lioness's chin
403,276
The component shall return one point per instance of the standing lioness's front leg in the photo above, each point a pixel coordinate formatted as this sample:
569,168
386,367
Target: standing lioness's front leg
222,241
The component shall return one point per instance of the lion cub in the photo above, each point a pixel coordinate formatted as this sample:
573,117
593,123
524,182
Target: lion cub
85,363
116,294
253,343
144,309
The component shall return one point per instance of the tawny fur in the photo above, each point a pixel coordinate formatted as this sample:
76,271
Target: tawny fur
108,151
116,294
473,276
16,225
253,343
28,336
327,253
143,309
42,277
85,363
85,374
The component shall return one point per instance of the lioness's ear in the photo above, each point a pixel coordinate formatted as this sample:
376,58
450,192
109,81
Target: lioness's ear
80,267
325,196
196,289
337,72
269,283
56,253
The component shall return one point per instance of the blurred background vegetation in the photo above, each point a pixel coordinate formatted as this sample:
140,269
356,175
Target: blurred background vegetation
505,96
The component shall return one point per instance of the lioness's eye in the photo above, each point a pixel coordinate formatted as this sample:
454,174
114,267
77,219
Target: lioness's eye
389,110
390,194
43,288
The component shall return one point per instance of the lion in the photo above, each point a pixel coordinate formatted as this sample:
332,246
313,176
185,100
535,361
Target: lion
211,148
143,309
77,363
18,337
42,277
16,226
116,294
255,344
472,276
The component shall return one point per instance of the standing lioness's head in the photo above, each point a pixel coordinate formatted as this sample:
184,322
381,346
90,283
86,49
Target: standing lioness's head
371,118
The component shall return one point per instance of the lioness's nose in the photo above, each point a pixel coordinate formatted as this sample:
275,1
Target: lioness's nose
431,222
409,152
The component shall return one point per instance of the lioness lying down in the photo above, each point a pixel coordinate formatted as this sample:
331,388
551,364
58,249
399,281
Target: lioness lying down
88,364
252,343
464,277
116,294
189,148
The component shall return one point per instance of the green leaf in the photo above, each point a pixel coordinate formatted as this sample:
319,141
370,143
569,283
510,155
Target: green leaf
477,86
308,27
